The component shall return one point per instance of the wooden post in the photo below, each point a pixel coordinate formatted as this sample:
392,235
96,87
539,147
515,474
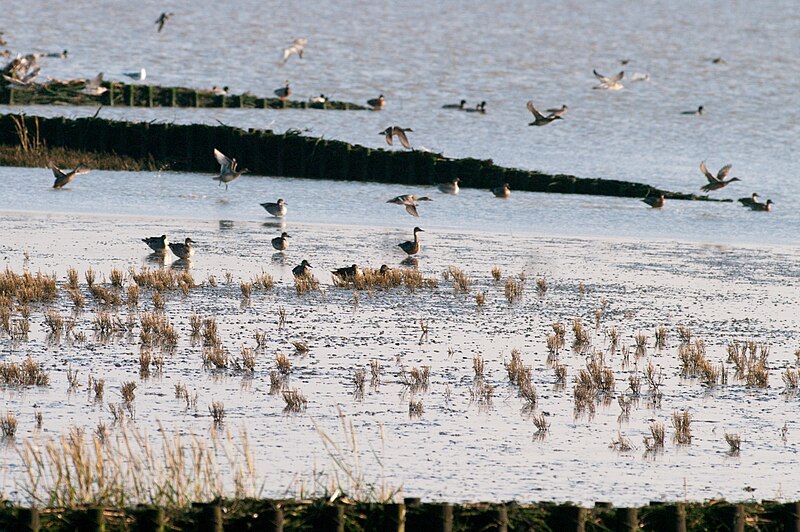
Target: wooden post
567,518
27,520
173,97
433,517
330,519
732,517
394,517
270,518
149,519
10,96
788,516
210,519
149,96
196,99
110,92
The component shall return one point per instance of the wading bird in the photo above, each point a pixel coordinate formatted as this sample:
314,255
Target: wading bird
411,247
228,168
277,209
656,201
281,243
377,103
185,250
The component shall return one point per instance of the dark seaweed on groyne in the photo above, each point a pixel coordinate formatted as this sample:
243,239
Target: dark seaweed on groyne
189,148
132,95
412,515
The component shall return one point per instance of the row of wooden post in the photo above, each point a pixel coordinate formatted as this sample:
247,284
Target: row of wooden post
412,515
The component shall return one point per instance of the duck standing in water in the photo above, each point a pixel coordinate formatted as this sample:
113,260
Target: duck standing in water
655,202
502,192
228,168
411,247
158,244
410,202
281,243
185,250
284,92
62,178
302,270
377,103
459,106
276,209
399,132
451,187
716,182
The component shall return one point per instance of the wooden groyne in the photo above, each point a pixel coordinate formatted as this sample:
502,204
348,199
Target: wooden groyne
411,515
134,95
189,148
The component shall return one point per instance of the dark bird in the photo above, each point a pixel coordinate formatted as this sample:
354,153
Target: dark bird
539,118
762,207
719,61
62,178
749,201
278,209
185,250
347,273
303,269
455,105
158,244
656,201
718,181
163,20
398,132
411,247
281,243
284,92
377,103
480,108
697,112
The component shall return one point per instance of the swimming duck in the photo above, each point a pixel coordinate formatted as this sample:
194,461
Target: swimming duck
411,247
399,132
718,181
410,202
228,168
612,84
451,187
276,209
163,20
297,47
216,91
347,273
185,250
749,201
480,108
281,243
656,201
158,244
94,86
502,192
377,103
539,118
558,111
284,92
58,55
62,178
302,269
455,105
137,76
697,112
762,207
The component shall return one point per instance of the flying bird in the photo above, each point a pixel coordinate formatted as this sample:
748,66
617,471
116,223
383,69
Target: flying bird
612,84
410,202
718,181
539,118
62,178
399,132
297,47
558,111
228,168
163,20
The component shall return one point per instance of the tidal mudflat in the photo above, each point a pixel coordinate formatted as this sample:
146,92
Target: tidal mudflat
498,367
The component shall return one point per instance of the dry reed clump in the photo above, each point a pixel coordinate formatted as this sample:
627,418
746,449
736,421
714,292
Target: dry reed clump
195,325
415,408
541,424
582,340
215,356
560,371
247,289
78,301
28,373
654,378
263,281
300,347
359,379
117,277
8,425
635,384
72,377
482,393
641,344
72,279
601,374
461,280
661,337
541,286
375,369
295,401
305,284
685,334
217,411
497,273
210,332
159,301
791,380
281,317
752,368
480,298
621,443
247,360
514,290
417,380
156,330
133,295
613,339
276,382
27,288
655,442
283,363
478,366
681,422
734,443
98,386
128,467
54,321
38,417
514,368
105,296
127,391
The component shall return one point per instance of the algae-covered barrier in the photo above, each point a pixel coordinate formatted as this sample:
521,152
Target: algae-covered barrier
412,515
134,95
189,148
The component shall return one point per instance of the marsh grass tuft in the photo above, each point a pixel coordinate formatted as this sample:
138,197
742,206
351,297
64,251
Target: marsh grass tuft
8,425
541,424
661,337
685,334
90,276
514,290
263,281
300,347
480,298
247,289
734,443
359,379
117,277
582,340
497,273
283,363
295,401
127,391
375,372
217,411
478,366
681,422
641,344
27,373
541,286
655,442
461,280
415,408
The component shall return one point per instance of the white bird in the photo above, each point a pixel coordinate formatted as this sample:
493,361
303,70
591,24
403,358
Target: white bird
612,84
137,76
297,47
277,209
228,168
